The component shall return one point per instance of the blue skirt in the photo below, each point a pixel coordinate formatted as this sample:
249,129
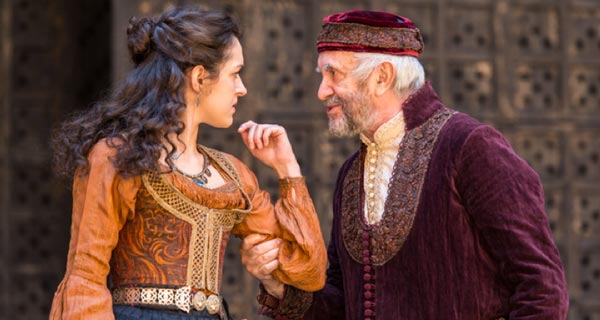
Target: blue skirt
125,312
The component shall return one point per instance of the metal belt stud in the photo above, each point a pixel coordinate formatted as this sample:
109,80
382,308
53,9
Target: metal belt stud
212,303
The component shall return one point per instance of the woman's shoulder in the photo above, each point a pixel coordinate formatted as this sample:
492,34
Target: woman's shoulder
102,150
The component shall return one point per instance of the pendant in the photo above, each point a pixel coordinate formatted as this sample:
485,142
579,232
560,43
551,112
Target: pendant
199,182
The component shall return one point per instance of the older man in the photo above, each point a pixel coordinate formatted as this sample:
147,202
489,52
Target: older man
435,216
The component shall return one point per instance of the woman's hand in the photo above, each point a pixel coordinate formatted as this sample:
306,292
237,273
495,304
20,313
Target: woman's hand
269,143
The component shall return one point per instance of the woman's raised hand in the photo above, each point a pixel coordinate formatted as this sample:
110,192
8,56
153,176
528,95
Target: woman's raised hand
269,143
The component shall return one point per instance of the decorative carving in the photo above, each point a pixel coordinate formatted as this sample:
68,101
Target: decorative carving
537,90
469,30
555,205
533,30
586,213
584,37
584,151
532,68
471,87
589,264
542,150
584,88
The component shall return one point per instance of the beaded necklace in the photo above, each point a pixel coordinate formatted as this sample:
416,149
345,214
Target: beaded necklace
200,178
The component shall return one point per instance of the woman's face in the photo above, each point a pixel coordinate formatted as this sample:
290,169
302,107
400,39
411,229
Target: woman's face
219,95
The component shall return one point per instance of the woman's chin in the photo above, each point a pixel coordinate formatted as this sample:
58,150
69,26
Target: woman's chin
222,125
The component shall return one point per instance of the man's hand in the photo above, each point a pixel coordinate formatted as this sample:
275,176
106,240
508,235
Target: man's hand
269,143
260,259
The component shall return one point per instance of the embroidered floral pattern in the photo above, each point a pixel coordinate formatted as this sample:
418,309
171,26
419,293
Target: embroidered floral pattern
378,37
295,303
293,306
388,236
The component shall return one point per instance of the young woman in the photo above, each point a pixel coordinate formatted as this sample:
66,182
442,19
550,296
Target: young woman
153,208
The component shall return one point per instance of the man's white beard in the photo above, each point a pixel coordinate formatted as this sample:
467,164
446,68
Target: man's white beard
349,125
343,127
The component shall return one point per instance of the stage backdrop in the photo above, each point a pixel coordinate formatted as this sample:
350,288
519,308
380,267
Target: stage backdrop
529,67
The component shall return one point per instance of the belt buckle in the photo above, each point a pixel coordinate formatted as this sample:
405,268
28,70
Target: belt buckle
212,303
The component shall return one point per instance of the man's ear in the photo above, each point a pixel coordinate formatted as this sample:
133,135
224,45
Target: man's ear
197,76
384,76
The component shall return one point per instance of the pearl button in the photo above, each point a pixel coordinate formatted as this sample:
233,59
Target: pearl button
372,169
374,152
371,194
371,185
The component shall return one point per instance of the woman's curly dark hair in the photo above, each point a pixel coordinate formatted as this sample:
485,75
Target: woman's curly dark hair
142,111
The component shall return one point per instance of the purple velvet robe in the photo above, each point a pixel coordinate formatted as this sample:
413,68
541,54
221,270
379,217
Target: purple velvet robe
464,233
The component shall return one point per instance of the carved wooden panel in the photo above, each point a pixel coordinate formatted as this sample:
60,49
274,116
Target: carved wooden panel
471,86
529,67
5,69
584,88
541,147
44,46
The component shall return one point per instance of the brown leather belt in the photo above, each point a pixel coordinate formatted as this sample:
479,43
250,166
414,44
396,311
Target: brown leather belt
182,298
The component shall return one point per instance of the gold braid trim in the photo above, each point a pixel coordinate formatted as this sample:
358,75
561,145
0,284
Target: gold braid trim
208,224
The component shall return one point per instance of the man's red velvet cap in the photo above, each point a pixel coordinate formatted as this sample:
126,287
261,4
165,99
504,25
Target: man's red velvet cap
370,31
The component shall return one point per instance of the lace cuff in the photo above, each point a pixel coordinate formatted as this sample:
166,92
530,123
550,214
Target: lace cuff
294,304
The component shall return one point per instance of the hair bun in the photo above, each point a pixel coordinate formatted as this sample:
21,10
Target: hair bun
139,38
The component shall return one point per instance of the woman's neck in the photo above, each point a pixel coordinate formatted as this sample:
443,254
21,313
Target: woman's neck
185,144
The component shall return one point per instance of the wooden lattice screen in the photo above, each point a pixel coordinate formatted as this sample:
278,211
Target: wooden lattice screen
529,67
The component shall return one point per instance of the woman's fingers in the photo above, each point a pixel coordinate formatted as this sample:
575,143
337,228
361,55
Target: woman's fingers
259,135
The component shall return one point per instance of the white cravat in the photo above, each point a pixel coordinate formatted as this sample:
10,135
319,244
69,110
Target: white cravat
379,163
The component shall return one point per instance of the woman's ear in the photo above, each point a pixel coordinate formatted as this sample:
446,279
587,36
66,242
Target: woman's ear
385,77
197,77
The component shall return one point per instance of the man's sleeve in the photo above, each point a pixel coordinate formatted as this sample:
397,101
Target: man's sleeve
504,198
326,304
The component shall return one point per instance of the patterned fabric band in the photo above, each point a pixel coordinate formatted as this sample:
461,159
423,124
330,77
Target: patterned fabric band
363,38
183,298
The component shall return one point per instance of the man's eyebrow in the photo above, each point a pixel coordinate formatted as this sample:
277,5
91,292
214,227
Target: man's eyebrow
326,68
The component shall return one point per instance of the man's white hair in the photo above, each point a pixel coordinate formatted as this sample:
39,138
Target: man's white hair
410,75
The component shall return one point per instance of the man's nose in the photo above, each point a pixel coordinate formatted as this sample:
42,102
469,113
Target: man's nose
325,90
